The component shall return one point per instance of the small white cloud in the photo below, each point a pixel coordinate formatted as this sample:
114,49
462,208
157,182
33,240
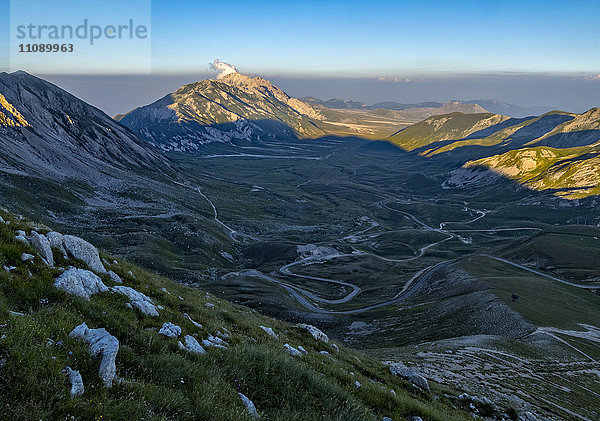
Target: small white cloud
223,68
394,79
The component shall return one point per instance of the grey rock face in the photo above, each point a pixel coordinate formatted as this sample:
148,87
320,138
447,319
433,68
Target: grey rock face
42,244
138,300
191,345
27,257
399,369
195,323
249,405
76,381
170,330
80,282
103,345
56,240
84,251
114,277
269,332
292,351
315,332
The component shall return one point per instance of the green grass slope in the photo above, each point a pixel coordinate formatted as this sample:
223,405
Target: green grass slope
161,381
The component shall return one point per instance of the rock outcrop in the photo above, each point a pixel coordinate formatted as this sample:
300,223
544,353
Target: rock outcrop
249,405
77,387
42,244
103,345
170,330
269,332
315,332
191,345
138,300
399,369
80,249
80,282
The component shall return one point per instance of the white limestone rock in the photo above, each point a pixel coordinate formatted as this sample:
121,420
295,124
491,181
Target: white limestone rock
170,330
192,346
195,323
269,332
138,300
114,277
42,244
102,344
56,240
399,369
315,332
27,257
80,249
292,351
80,282
76,381
249,405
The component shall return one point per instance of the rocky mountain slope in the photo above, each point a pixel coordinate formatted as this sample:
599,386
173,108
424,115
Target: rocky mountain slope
235,107
556,152
48,132
84,335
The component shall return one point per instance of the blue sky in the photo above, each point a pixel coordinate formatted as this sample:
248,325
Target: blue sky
357,38
385,37
426,50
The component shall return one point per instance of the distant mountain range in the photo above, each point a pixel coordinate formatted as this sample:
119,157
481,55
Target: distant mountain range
557,151
45,130
241,108
491,105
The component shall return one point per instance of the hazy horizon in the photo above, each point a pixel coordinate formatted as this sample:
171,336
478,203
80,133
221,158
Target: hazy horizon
117,94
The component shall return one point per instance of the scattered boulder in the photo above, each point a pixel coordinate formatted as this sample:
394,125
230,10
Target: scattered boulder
269,332
315,332
249,405
323,352
357,384
302,350
102,344
337,348
22,239
191,345
386,419
80,249
114,277
170,330
292,351
399,369
138,300
56,240
1,220
214,341
80,282
76,381
42,244
27,257
187,316
207,305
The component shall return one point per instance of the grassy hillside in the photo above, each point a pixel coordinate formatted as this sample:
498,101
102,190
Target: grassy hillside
160,381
